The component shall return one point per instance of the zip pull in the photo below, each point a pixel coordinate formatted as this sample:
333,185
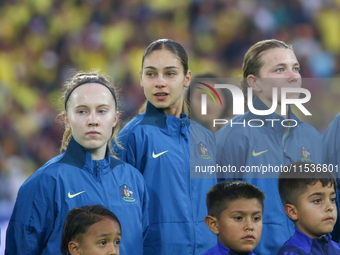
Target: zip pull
97,168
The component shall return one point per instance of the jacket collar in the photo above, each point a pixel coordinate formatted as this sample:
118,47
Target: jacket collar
306,243
156,117
77,156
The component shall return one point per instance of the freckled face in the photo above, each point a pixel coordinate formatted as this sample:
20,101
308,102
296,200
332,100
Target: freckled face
280,69
91,115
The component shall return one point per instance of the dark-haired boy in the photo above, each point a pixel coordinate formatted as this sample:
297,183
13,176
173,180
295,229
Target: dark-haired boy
235,211
308,195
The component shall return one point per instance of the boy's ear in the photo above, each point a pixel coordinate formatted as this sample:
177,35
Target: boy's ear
291,211
73,248
212,224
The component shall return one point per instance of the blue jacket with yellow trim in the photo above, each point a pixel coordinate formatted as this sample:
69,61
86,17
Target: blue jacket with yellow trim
71,180
301,244
160,145
267,148
220,249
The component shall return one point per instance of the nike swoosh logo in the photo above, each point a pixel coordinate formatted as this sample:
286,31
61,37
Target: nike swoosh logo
74,195
159,154
255,154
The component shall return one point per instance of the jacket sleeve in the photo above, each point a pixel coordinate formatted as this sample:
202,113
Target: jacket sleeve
32,220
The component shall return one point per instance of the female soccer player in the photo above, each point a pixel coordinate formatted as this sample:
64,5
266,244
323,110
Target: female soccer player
162,143
90,230
272,140
85,174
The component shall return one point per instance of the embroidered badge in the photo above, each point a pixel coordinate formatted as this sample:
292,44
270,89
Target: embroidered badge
305,155
203,151
127,193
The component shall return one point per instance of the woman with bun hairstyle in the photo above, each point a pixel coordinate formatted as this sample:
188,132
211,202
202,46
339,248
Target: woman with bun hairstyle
164,145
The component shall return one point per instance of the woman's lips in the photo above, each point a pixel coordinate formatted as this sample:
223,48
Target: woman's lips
161,95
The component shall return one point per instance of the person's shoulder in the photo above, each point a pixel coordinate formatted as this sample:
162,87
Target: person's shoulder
306,127
194,124
44,179
336,118
336,245
133,123
129,130
210,251
291,250
335,122
195,127
296,245
125,169
234,128
48,169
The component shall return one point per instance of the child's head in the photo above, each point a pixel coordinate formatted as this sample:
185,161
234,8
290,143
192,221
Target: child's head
308,194
91,230
235,214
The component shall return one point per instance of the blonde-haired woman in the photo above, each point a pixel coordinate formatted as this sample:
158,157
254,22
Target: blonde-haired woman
267,142
84,174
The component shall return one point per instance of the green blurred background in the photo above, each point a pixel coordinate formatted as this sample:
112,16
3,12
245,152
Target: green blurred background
42,41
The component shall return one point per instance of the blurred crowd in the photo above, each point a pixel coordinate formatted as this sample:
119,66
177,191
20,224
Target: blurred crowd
42,41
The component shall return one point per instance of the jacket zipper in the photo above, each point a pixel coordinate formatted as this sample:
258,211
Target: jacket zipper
99,179
190,196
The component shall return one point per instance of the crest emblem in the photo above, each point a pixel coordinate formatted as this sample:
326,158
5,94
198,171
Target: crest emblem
203,151
305,155
127,193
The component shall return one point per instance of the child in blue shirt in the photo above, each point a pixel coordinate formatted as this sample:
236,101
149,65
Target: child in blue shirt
308,194
235,211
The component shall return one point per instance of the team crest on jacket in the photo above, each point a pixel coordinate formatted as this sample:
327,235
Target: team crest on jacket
203,151
127,193
305,155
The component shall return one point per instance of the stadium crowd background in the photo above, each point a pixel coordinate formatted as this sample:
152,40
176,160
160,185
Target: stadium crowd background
41,41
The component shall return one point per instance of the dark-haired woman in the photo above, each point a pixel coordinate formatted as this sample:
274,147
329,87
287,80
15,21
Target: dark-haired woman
162,143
